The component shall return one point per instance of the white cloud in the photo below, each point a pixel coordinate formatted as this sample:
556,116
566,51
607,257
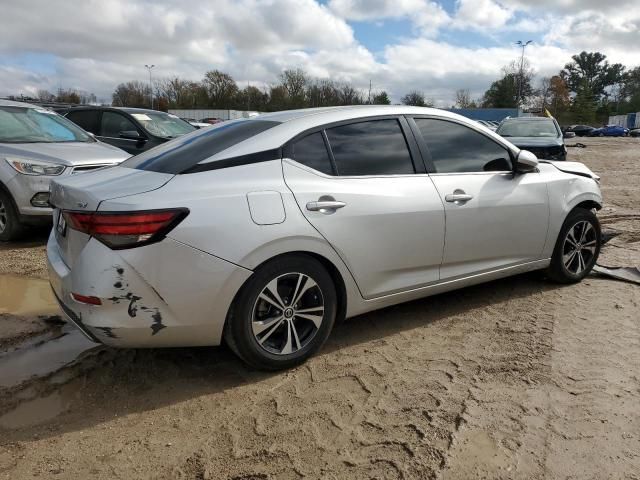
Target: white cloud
481,14
427,16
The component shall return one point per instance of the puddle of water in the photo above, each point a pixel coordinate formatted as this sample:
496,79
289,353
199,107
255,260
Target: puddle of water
26,296
44,358
40,409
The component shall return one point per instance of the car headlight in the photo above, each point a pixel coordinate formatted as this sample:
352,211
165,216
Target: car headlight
34,167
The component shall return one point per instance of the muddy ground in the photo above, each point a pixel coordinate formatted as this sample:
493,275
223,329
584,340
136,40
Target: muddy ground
518,378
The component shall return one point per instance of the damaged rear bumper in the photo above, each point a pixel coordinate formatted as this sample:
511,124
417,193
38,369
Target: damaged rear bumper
162,295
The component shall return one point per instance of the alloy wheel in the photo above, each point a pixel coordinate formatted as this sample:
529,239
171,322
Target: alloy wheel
3,216
579,247
288,313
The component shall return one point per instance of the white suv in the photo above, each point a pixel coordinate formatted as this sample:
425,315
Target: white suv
36,145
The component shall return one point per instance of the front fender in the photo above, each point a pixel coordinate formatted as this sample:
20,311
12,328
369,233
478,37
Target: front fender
566,192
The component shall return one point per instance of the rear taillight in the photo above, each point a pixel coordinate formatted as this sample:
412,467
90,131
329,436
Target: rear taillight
126,229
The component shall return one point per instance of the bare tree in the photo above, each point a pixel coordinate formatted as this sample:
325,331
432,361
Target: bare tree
131,94
463,99
221,89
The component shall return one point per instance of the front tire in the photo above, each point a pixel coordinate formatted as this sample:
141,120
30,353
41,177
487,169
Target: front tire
577,247
283,314
10,227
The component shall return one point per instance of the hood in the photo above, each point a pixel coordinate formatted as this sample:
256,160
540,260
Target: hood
86,191
66,153
524,142
575,168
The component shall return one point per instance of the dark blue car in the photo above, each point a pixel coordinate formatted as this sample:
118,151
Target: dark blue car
610,131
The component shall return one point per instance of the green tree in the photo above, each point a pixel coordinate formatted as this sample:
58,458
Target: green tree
414,98
381,98
592,71
584,105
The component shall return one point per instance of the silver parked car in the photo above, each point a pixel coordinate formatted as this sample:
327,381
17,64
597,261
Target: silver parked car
37,145
266,231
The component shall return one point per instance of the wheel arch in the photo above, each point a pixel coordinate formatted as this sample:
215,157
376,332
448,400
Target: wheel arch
332,270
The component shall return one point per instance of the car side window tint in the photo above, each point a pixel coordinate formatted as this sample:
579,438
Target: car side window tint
113,123
375,147
85,119
455,148
312,152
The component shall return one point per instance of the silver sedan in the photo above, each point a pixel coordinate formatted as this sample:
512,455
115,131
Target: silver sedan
265,232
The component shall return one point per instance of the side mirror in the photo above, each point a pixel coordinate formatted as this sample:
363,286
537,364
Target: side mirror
131,135
526,161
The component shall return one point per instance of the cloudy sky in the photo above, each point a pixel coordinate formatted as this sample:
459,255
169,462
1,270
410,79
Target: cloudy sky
432,46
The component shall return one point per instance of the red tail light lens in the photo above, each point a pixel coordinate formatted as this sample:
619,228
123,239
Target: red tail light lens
119,230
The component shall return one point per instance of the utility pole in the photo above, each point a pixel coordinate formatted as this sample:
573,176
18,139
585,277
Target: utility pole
523,45
149,67
369,98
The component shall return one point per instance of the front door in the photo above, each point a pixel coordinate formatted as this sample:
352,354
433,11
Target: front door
364,197
494,218
115,127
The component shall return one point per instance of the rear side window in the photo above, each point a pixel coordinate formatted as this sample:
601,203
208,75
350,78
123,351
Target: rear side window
312,152
375,147
184,153
455,148
86,119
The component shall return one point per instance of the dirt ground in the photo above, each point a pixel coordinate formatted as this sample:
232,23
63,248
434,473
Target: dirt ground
518,378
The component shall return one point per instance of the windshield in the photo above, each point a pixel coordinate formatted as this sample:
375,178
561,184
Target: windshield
163,124
531,128
35,125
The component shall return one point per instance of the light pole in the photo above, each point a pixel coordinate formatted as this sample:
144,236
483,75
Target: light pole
524,45
149,67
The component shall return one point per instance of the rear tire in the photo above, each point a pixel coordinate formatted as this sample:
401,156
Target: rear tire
10,227
283,314
577,247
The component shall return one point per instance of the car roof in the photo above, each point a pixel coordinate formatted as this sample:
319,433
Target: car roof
11,103
294,122
104,107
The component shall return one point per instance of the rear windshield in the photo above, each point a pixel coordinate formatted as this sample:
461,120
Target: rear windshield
183,153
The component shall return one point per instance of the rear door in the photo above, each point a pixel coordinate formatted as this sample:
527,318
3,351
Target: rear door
89,120
494,219
363,188
116,127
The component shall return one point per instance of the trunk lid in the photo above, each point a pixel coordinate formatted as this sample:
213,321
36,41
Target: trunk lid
85,193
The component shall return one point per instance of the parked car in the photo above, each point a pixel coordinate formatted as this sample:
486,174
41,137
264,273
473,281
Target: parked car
134,130
266,231
37,145
539,135
580,130
610,131
487,124
634,132
195,123
212,120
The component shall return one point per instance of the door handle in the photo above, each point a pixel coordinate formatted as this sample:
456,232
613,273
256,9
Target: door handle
325,206
458,196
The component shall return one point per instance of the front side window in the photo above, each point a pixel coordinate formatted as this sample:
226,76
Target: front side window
312,152
34,125
375,147
455,148
113,124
